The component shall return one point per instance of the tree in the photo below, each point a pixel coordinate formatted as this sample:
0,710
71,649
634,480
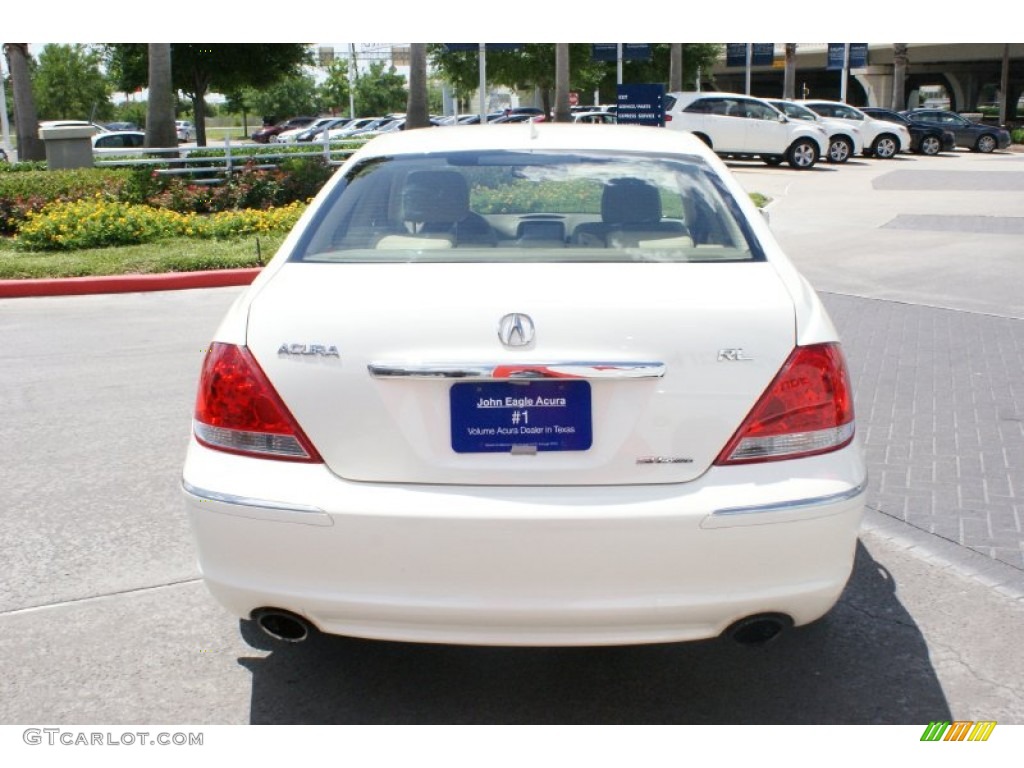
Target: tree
199,68
675,67
69,84
416,115
899,75
334,91
533,66
160,130
380,91
789,75
30,146
562,112
290,96
695,56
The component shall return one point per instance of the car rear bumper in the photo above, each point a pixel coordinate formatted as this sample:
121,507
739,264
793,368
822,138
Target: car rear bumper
526,565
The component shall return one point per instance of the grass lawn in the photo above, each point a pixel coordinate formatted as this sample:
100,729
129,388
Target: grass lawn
177,255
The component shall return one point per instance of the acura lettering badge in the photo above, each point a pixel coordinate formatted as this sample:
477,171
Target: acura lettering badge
309,350
516,330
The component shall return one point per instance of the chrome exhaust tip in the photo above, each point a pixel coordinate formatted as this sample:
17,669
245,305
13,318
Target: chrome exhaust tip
759,629
282,625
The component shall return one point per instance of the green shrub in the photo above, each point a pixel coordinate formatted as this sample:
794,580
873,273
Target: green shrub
303,177
141,184
26,192
31,188
27,165
93,223
1017,135
98,223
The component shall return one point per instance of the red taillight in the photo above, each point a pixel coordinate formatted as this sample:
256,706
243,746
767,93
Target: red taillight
806,410
237,409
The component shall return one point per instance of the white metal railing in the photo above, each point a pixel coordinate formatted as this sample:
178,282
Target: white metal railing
235,157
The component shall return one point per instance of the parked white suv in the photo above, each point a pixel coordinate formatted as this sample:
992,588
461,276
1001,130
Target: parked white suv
844,139
734,124
882,139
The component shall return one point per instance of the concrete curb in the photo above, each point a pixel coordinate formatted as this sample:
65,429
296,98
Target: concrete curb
167,281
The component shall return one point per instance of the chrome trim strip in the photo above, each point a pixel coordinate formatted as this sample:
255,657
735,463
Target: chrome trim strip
243,501
518,371
797,504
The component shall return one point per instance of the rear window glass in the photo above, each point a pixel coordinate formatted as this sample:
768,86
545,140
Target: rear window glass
526,206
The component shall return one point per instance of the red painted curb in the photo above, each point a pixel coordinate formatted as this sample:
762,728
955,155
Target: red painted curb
164,281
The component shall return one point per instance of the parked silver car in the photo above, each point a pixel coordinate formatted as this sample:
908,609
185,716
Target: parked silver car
185,129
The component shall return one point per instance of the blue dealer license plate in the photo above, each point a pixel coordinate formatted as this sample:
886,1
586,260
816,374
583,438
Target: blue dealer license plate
494,417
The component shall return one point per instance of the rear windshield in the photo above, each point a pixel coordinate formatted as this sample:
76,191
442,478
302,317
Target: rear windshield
527,206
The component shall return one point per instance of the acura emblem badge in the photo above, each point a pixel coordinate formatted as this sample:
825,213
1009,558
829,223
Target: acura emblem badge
516,330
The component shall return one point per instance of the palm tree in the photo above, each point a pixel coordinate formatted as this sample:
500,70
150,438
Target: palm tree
1004,85
789,76
26,120
417,115
675,67
562,112
899,76
160,130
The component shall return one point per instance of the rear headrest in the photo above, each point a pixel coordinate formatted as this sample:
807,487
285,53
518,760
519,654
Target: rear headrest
435,197
630,201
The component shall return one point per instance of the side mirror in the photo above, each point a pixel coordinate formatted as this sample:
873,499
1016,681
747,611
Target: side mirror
783,118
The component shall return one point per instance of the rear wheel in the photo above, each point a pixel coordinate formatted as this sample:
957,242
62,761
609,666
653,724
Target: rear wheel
930,145
839,151
985,143
886,146
803,154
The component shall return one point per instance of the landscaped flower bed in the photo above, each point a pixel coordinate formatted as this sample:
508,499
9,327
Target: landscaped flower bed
98,222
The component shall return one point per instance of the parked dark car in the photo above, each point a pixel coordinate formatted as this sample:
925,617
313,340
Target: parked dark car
475,119
519,118
262,136
122,126
532,111
925,138
976,137
374,126
314,132
119,140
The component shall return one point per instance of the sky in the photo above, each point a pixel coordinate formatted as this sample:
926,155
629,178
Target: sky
519,21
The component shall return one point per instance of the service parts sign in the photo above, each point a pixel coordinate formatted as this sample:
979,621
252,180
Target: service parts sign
641,104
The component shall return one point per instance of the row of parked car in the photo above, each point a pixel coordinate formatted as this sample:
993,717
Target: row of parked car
798,132
803,132
305,129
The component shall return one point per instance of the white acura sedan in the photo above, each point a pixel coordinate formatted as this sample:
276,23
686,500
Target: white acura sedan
527,385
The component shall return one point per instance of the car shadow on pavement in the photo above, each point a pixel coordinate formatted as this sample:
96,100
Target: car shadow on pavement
820,166
866,662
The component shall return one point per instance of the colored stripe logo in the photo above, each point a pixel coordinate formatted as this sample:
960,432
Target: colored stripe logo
958,730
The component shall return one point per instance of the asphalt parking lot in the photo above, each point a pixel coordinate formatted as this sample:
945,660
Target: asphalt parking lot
106,621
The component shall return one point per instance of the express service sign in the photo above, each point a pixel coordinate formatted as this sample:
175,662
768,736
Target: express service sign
641,104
